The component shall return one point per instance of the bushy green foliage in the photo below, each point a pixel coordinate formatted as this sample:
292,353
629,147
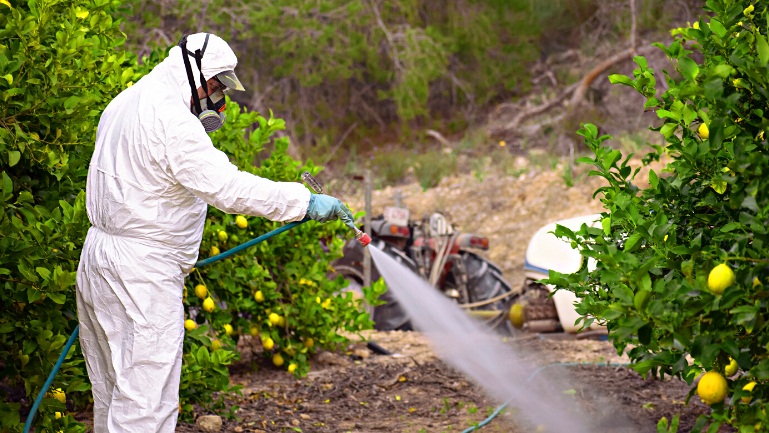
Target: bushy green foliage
333,63
290,271
656,246
60,64
431,167
57,71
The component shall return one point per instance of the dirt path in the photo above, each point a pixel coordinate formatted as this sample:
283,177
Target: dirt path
411,391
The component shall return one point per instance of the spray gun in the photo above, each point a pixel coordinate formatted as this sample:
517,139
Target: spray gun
313,183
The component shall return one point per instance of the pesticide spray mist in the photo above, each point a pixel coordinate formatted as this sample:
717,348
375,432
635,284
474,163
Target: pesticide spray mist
479,353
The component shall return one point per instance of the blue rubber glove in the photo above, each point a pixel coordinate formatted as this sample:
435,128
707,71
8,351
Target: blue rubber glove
325,208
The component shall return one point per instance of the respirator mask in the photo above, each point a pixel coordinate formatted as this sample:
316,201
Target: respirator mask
211,110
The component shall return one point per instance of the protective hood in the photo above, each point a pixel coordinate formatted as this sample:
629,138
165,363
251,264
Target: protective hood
218,57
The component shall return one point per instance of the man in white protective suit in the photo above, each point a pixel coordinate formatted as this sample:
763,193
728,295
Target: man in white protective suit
153,173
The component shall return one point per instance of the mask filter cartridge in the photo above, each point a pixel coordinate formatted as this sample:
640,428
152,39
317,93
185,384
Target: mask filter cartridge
211,120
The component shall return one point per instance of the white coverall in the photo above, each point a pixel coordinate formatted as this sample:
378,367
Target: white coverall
154,172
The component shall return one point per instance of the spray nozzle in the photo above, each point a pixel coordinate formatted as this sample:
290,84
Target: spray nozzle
363,238
313,183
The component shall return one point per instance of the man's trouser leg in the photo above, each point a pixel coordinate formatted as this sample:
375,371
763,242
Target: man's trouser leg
131,332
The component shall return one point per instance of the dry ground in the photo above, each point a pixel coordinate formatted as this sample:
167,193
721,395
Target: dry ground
412,391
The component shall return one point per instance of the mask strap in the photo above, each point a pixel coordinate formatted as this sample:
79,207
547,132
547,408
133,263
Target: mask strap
188,69
198,60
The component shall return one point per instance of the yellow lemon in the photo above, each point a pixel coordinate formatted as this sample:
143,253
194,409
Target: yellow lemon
712,388
241,221
703,131
277,360
756,282
748,10
267,343
222,236
720,278
58,394
292,368
274,318
201,291
190,324
309,342
216,344
749,387
208,305
696,25
228,329
516,315
259,296
730,369
215,251
253,330
57,415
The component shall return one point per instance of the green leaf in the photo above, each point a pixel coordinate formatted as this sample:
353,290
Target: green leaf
7,187
731,226
13,157
653,179
606,225
668,129
71,102
689,68
632,242
621,79
588,130
59,298
722,71
763,49
718,28
641,299
203,356
662,114
689,115
8,78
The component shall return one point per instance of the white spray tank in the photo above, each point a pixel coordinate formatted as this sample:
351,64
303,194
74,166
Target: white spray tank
547,252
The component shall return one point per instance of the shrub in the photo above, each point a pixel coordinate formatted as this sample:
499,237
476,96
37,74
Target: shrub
58,68
60,64
656,245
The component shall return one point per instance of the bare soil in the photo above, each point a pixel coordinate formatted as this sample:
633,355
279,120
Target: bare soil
411,390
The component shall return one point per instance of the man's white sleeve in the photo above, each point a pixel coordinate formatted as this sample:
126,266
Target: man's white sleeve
206,172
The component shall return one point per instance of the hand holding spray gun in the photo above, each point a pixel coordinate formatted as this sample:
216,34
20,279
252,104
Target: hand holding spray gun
326,208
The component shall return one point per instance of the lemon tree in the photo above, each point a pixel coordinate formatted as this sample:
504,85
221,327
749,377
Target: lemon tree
681,262
60,64
279,292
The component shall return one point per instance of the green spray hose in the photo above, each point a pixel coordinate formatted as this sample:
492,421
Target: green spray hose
241,247
555,364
